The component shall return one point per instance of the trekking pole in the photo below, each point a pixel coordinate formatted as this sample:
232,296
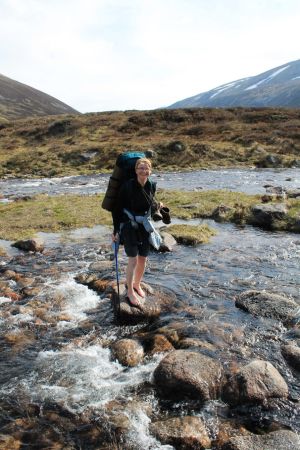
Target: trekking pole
116,249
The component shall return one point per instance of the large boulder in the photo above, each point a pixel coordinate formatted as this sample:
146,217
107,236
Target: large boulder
277,440
128,352
267,304
291,353
255,383
186,433
184,373
264,215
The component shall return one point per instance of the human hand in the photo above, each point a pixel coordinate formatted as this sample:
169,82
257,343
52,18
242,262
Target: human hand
115,237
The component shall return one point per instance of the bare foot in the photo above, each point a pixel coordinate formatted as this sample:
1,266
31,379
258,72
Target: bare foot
139,291
134,301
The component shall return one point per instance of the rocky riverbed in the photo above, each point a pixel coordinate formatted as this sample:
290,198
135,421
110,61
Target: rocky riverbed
211,363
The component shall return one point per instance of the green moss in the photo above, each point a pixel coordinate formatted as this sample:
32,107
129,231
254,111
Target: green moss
22,219
191,234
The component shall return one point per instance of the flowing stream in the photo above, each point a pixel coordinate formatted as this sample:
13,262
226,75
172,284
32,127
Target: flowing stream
55,356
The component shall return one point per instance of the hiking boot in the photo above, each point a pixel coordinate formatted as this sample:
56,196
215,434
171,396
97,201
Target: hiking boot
165,212
157,216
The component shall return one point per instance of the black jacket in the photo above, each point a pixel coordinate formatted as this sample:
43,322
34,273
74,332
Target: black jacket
134,197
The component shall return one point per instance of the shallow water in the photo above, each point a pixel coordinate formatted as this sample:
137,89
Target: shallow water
55,346
250,181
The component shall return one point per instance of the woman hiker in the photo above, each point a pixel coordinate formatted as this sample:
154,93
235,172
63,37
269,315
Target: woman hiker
133,208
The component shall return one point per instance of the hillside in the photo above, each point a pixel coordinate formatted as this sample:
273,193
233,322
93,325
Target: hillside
17,100
179,139
278,87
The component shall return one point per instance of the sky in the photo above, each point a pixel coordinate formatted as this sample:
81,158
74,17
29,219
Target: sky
107,55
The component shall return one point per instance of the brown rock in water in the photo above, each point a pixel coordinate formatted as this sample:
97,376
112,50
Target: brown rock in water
228,430
184,373
221,212
291,353
277,440
127,314
30,245
9,442
256,382
159,344
264,215
128,352
188,433
267,304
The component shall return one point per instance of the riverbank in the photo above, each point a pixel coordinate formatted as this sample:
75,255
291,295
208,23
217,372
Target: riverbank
23,218
182,139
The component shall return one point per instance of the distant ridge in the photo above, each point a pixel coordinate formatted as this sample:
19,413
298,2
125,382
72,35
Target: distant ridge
278,87
17,100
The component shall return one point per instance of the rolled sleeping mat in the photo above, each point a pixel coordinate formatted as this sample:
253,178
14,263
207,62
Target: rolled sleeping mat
112,190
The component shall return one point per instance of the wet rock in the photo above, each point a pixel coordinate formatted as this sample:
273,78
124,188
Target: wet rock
9,442
256,382
221,213
157,343
128,352
228,430
19,339
293,193
267,304
168,242
291,353
189,343
30,291
264,215
15,296
186,433
118,416
149,310
277,440
10,274
184,373
170,332
30,245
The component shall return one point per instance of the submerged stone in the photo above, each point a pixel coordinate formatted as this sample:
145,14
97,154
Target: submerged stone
267,304
187,432
276,440
291,353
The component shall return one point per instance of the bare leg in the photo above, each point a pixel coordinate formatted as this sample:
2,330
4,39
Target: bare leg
130,270
138,275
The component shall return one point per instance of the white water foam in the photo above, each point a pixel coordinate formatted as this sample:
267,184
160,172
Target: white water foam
139,436
80,378
76,300
4,300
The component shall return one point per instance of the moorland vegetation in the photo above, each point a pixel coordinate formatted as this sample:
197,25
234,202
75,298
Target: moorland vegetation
178,139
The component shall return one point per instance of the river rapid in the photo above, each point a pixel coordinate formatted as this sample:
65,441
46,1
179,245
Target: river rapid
59,381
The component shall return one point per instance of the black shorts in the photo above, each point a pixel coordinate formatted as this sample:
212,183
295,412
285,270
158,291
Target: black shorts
136,242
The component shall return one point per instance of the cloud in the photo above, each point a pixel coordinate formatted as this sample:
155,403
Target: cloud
126,54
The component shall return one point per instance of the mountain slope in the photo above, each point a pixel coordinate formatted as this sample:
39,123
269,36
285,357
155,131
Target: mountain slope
17,100
278,87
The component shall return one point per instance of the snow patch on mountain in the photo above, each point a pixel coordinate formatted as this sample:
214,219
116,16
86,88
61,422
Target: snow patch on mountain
254,86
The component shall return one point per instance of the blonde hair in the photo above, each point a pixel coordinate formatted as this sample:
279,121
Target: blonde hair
143,161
